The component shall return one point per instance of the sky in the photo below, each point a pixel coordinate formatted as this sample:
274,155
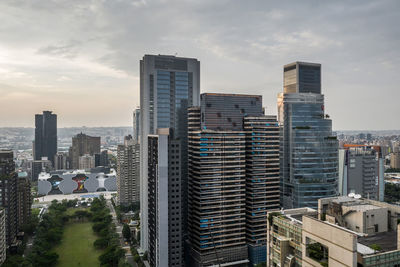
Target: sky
80,58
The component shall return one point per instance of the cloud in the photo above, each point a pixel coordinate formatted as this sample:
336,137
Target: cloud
84,47
68,50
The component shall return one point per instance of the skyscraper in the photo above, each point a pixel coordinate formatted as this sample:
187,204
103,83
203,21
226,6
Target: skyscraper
83,144
45,144
308,149
233,179
8,194
168,86
128,167
24,199
165,207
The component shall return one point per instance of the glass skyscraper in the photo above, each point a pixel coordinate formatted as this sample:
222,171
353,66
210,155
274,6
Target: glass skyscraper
45,136
308,150
168,86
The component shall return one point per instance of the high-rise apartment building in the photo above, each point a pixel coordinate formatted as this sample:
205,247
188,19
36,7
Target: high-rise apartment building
83,144
8,194
128,167
24,199
3,240
45,144
136,125
164,200
233,179
361,171
168,86
308,149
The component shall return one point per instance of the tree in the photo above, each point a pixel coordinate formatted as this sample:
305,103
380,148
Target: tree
101,243
136,258
126,232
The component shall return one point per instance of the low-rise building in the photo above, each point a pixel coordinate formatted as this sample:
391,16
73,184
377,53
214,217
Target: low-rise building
348,231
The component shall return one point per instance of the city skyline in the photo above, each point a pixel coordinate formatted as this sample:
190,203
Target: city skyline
87,62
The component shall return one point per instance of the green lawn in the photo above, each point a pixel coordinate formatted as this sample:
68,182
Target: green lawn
76,248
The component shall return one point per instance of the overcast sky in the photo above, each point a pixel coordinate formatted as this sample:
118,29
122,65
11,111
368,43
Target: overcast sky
81,58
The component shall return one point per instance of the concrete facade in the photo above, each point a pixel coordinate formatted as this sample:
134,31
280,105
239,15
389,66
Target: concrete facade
331,238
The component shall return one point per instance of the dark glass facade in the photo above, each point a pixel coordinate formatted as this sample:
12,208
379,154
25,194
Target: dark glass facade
302,77
308,151
45,136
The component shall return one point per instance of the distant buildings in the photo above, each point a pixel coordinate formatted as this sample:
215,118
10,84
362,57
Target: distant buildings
61,161
83,144
308,149
45,144
361,171
168,86
128,168
344,232
38,166
395,160
8,194
136,125
233,179
86,162
101,159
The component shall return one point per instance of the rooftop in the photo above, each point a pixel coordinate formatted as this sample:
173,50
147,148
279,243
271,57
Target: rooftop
386,240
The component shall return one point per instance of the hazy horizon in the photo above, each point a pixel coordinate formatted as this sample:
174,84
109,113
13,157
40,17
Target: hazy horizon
80,59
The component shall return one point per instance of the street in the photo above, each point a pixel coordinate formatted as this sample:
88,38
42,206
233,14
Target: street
118,226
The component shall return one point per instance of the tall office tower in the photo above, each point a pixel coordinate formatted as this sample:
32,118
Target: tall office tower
60,161
168,86
165,208
308,151
83,144
24,199
233,179
3,241
45,144
128,167
8,194
361,171
136,125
